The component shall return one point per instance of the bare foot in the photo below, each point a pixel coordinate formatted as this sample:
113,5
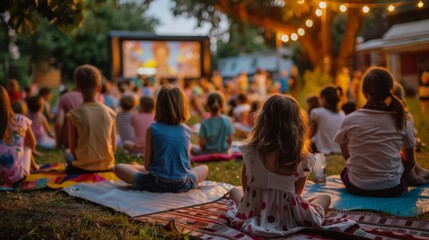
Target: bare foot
415,180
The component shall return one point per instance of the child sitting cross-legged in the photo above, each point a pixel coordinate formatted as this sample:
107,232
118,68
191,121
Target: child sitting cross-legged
167,166
378,142
92,131
141,122
16,143
40,126
276,163
215,132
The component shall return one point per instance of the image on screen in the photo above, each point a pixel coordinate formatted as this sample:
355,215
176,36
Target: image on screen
165,59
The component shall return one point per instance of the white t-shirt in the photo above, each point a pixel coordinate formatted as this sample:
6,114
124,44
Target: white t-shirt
328,124
240,109
374,145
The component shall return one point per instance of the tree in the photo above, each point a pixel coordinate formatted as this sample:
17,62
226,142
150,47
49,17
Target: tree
243,38
283,17
86,44
25,14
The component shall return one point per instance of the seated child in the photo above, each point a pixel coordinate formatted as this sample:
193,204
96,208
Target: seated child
241,107
92,132
167,166
123,119
276,163
109,99
141,122
16,143
247,119
40,125
326,120
46,94
215,132
378,143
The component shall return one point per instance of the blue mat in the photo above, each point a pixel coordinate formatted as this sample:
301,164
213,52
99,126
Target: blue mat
411,203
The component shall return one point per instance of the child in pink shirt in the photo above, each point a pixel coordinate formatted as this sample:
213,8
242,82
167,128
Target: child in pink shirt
141,122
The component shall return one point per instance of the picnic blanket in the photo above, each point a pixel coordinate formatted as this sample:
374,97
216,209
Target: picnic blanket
208,221
53,176
234,153
216,157
119,196
411,203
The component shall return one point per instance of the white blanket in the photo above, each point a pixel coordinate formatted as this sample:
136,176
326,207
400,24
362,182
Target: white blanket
119,196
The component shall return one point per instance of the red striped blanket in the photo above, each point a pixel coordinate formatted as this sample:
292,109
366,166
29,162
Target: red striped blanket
208,221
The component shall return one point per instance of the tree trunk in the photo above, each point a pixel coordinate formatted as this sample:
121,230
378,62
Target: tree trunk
348,44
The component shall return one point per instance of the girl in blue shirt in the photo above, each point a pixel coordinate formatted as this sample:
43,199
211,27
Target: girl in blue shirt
168,142
215,132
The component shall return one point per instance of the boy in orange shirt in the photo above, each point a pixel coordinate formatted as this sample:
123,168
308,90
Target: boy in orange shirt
92,131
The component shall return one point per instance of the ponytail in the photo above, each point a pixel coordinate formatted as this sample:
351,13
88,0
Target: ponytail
215,102
396,106
214,107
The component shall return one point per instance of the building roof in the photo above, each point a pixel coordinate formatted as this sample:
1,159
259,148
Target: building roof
400,37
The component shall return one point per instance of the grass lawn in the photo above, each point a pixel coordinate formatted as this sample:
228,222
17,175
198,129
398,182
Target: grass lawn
49,214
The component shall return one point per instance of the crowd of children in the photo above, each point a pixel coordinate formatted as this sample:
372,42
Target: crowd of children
377,141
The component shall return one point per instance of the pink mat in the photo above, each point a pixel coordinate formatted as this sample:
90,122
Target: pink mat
216,157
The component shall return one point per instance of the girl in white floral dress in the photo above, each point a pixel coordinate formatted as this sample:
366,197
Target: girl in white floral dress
276,164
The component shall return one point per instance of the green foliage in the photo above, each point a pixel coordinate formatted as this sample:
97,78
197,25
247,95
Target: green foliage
243,38
88,45
65,14
313,82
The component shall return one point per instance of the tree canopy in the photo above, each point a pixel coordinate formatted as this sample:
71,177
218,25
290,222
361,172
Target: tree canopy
84,42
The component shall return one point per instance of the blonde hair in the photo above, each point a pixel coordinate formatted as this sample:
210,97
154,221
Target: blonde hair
282,126
6,113
171,105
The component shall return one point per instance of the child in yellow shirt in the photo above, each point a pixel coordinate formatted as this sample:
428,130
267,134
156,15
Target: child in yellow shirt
92,131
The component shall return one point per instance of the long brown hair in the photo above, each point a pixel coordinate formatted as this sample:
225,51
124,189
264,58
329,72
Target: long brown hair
282,126
6,113
171,105
378,83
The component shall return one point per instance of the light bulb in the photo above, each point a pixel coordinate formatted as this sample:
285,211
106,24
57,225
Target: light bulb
309,23
322,5
420,4
391,8
343,8
301,31
319,12
294,36
365,9
285,38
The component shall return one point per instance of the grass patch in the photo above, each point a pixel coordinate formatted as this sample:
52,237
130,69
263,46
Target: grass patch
48,214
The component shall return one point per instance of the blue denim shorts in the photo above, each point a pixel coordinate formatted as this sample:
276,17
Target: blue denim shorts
152,183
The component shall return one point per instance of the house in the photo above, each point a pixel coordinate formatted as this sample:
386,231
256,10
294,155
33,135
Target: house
403,49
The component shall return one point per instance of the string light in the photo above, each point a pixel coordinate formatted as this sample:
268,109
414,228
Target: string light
301,31
285,38
391,8
309,23
322,5
420,4
319,12
343,8
294,36
365,9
